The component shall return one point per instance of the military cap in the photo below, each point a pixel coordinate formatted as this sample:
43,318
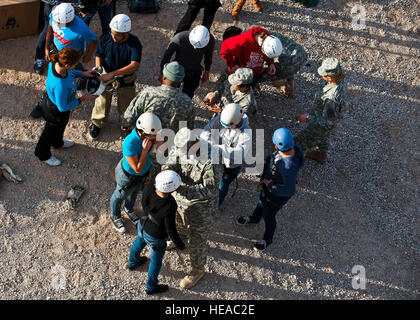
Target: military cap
329,67
174,71
241,76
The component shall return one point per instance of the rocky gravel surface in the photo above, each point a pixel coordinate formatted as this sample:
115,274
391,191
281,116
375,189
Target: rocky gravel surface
360,208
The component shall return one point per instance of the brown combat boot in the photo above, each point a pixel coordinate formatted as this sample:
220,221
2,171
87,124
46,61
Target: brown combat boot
237,9
318,156
285,86
257,5
192,279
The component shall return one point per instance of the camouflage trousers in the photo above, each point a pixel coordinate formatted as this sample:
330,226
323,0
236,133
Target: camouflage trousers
195,224
286,67
314,137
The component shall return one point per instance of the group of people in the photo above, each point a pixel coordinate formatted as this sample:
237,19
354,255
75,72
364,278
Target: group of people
182,195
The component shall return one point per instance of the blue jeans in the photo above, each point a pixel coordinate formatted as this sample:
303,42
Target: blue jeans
156,256
268,210
121,193
40,48
105,15
228,176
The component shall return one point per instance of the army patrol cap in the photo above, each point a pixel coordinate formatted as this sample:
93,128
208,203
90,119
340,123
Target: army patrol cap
329,67
241,76
174,71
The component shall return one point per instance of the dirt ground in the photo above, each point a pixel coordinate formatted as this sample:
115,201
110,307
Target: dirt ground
360,208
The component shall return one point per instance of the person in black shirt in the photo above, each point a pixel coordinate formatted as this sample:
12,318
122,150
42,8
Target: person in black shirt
190,49
156,223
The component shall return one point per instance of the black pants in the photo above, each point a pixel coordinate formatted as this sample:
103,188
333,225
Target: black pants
52,136
191,82
192,12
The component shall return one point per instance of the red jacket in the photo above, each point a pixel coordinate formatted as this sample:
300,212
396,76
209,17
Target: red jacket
244,51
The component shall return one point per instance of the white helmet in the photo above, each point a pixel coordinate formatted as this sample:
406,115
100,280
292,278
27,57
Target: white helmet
231,115
63,13
95,86
167,181
149,123
272,47
120,23
199,37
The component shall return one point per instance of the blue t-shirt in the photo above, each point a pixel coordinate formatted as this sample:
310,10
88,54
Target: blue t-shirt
62,91
73,36
132,146
118,55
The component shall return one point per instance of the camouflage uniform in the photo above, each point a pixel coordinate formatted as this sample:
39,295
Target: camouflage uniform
292,58
170,104
329,104
225,94
197,205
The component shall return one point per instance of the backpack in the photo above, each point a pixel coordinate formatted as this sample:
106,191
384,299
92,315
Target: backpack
143,6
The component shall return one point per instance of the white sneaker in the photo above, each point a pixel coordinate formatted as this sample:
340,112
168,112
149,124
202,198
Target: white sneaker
170,245
68,144
53,161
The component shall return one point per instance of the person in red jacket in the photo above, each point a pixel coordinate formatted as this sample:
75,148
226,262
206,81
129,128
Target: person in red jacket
250,50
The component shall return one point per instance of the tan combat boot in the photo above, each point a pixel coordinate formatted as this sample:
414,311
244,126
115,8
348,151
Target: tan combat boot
318,156
286,86
237,9
257,5
192,279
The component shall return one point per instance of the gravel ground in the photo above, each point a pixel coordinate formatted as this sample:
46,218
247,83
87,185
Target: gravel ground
361,208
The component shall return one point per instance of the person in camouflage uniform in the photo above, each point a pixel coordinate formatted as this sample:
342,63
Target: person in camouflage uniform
197,202
329,104
168,102
292,58
235,89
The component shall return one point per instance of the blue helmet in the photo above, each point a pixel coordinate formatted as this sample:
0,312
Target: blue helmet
283,139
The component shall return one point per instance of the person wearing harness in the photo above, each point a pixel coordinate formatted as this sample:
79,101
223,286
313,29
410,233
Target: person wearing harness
278,184
67,30
233,127
329,105
197,199
57,101
156,223
131,172
190,48
118,57
236,89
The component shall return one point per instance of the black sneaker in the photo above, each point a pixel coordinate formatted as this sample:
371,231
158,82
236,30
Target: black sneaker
159,289
94,132
36,112
132,215
141,262
260,245
243,220
118,224
39,66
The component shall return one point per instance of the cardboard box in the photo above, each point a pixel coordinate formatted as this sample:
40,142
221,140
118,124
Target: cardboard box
18,18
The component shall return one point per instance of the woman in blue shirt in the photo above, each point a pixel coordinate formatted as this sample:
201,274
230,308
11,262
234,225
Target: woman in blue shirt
57,101
131,172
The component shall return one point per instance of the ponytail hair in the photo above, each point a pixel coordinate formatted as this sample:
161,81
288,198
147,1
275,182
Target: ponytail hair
66,56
